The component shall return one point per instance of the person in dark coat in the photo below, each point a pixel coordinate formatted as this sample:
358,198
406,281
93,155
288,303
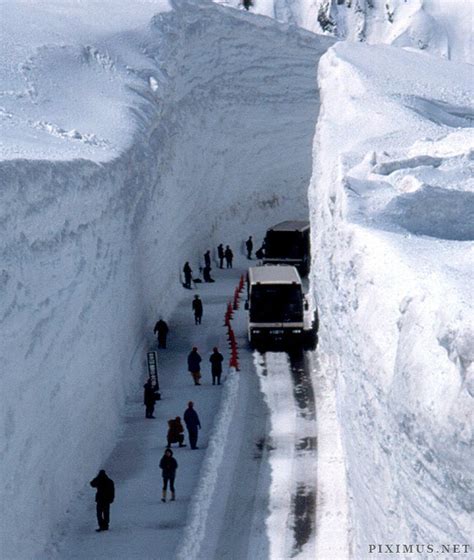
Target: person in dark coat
249,247
216,360
168,466
191,419
194,365
229,256
175,432
206,273
197,308
220,254
161,329
188,275
246,4
207,258
149,399
104,497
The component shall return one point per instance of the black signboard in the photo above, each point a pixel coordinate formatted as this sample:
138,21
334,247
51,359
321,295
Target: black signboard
153,369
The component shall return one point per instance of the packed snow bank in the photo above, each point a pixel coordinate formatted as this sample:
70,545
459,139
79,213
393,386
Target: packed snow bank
392,213
205,119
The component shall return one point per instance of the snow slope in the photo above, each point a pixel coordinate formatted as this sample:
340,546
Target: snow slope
441,27
130,143
392,208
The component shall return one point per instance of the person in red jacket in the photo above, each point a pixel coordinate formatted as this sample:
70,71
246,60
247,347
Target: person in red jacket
175,432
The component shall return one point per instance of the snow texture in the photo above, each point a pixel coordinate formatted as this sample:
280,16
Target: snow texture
440,27
133,141
392,212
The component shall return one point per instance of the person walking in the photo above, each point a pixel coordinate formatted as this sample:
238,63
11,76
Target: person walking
161,329
249,247
194,365
188,275
220,254
198,309
104,496
216,360
191,419
149,399
207,258
168,466
175,432
229,256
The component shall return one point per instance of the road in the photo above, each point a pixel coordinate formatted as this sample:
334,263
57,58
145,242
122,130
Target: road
263,514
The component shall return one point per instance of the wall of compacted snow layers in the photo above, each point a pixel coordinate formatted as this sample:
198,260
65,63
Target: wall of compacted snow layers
396,306
219,148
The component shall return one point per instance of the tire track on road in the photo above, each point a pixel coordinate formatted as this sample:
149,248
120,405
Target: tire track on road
304,495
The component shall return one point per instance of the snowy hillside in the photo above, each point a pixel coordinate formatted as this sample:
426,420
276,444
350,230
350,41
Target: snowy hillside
393,216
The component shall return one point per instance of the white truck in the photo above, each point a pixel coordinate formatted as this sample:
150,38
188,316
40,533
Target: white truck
278,310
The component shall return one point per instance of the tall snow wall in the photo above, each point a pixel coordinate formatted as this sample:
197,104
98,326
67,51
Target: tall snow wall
220,114
391,204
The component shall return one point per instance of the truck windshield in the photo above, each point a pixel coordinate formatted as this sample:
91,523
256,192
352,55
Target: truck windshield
281,244
276,303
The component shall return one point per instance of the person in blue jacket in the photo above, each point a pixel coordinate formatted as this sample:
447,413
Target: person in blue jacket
191,419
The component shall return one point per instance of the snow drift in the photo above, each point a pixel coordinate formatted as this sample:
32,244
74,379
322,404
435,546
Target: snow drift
132,142
441,27
392,211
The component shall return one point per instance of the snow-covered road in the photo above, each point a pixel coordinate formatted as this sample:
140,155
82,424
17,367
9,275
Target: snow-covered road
258,439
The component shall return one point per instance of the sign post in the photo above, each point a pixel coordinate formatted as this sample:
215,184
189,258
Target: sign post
153,372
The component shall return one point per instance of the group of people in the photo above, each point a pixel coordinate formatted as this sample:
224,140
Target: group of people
105,488
226,255
176,429
194,365
168,463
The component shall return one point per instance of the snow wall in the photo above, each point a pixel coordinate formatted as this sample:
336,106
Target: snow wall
217,145
392,212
